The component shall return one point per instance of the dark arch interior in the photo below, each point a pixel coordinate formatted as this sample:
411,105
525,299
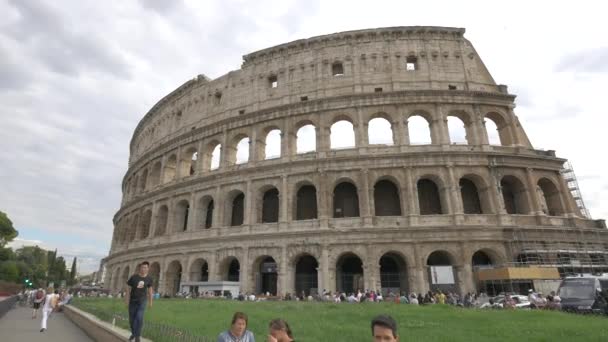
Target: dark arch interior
346,200
386,199
306,206
470,197
270,206
428,197
306,275
350,274
238,208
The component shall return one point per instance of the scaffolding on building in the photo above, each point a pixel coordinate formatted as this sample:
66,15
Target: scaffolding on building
572,183
548,254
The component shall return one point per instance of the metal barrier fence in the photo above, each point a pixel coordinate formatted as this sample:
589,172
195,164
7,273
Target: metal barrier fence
156,332
7,304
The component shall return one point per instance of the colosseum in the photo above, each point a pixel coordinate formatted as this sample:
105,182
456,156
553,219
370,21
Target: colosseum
333,163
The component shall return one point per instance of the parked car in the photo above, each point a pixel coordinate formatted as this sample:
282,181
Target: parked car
586,294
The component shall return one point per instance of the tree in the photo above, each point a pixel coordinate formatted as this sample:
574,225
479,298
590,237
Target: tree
9,271
6,254
73,272
7,231
35,258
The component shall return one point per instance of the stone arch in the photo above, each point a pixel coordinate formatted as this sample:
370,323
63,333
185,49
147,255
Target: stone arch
270,205
212,155
144,225
550,197
514,195
387,201
173,277
241,150
162,220
170,169
230,269
115,286
306,202
155,173
349,273
126,274
441,273
342,133
484,195
143,181
457,130
182,211
345,200
155,275
265,275
270,147
199,270
306,137
484,258
393,273
380,131
306,275
235,208
188,162
207,206
502,126
430,200
419,128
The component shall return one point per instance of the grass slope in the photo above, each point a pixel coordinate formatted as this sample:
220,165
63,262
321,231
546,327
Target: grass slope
321,322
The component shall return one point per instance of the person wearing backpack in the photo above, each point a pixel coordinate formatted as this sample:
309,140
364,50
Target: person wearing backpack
38,298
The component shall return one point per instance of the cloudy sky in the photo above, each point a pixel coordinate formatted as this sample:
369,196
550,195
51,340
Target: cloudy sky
77,76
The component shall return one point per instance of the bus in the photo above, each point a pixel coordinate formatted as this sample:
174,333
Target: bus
584,294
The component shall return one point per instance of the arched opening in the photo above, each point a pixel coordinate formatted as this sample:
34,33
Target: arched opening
349,274
199,271
495,120
155,275
230,269
144,225
393,274
342,135
386,199
419,130
429,200
441,272
206,204
181,216
457,130
162,218
238,210
132,231
514,195
170,167
270,206
214,162
265,275
173,278
306,203
379,132
155,174
143,181
346,200
272,147
242,151
550,198
492,132
188,162
306,139
306,280
470,197
481,259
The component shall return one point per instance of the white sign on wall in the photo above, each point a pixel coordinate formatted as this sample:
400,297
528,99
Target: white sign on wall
442,275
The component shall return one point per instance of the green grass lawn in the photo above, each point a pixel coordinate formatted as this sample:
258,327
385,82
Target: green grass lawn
321,322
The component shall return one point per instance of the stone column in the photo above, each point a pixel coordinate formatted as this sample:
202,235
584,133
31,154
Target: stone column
422,284
254,153
198,166
244,269
480,126
323,140
439,127
178,164
366,201
324,272
224,151
324,203
568,202
398,135
411,196
284,271
287,140
192,214
284,200
455,197
496,195
248,212
532,194
153,220
213,267
218,208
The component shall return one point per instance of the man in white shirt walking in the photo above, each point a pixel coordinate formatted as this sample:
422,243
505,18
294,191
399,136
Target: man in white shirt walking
47,308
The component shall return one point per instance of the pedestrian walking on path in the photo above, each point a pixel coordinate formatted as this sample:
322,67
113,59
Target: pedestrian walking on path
37,298
49,304
139,292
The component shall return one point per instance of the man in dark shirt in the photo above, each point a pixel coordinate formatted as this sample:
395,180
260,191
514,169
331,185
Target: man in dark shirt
139,291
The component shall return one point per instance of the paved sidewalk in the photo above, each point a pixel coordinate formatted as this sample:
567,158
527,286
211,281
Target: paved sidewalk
18,326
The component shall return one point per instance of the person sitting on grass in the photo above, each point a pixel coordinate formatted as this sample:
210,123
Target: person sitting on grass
384,329
238,330
279,331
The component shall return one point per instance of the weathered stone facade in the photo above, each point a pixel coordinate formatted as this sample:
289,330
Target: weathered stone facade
338,219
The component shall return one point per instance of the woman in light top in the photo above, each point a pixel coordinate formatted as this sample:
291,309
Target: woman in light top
238,330
279,331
